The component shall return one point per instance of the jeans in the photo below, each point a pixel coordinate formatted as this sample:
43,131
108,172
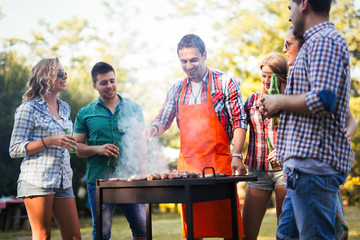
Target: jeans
134,213
309,207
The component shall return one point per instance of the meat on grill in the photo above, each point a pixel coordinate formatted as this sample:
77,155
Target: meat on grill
174,174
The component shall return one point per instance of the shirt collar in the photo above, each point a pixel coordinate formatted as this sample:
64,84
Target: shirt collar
100,102
204,80
313,30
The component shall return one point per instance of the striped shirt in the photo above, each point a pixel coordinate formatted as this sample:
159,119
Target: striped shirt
260,130
49,167
225,96
322,64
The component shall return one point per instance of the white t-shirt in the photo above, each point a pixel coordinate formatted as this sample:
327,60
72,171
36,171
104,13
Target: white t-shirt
196,93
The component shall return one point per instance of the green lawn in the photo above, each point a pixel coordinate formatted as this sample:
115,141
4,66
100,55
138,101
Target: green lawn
168,226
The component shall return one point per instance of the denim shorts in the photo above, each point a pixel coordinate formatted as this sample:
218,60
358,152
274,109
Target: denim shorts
267,180
25,189
134,213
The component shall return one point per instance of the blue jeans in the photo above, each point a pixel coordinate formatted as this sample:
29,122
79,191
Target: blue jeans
309,208
134,213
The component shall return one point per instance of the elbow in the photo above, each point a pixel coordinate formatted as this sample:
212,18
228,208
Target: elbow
15,151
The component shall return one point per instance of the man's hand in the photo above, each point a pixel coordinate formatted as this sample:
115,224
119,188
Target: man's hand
238,167
270,105
150,132
107,150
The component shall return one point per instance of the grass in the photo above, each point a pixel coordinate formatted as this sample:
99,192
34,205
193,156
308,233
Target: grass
167,226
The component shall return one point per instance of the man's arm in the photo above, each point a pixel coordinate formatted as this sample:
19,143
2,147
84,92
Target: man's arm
237,165
272,104
85,150
351,126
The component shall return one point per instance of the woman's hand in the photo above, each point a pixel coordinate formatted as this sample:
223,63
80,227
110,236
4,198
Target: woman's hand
61,140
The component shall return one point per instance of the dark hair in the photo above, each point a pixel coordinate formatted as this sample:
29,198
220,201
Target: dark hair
191,41
100,68
297,37
321,7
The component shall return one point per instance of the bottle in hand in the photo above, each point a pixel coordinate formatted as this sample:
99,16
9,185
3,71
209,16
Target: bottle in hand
74,151
274,90
275,165
112,160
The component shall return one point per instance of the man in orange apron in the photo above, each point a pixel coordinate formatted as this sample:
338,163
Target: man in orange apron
209,112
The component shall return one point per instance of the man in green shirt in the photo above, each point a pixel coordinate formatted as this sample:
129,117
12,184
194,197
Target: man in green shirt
108,131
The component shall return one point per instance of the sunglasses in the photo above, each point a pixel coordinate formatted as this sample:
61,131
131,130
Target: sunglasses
288,44
61,74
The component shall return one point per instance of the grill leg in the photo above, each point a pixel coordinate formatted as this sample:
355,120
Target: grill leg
148,221
98,211
189,214
234,213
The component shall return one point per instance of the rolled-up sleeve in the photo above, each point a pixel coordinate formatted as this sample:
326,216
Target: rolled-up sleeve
168,110
234,104
326,66
23,125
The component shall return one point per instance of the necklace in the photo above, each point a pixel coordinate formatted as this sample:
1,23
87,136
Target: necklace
197,95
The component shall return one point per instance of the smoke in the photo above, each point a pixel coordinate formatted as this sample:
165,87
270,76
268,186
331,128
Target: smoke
157,162
136,155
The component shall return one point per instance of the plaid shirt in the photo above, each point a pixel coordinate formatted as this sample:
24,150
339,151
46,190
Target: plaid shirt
50,166
225,95
322,64
260,129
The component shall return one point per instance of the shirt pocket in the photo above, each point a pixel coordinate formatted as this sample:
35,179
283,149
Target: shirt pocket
43,122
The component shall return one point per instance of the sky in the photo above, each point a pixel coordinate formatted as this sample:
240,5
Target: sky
158,39
22,16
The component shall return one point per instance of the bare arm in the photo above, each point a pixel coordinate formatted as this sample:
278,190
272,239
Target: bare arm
61,140
156,129
237,163
351,126
85,150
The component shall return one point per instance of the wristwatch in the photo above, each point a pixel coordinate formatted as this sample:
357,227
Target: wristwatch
239,155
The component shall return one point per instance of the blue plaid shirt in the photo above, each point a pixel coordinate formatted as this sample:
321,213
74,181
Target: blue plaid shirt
50,167
322,64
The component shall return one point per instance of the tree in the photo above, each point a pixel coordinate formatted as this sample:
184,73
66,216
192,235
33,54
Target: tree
13,77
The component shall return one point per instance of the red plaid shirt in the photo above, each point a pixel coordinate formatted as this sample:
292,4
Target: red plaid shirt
260,129
225,96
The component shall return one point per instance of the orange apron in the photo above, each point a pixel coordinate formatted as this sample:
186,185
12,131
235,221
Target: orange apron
204,143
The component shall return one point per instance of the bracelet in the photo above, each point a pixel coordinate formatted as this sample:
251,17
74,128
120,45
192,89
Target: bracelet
239,155
42,140
157,128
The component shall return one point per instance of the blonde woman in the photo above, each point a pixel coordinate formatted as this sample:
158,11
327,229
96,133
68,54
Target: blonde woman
258,193
45,180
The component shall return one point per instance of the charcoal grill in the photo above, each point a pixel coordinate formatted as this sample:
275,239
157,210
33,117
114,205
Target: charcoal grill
187,191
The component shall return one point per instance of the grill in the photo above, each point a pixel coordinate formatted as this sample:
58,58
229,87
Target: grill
187,191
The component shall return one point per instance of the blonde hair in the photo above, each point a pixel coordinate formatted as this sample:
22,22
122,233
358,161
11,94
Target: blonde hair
278,64
42,79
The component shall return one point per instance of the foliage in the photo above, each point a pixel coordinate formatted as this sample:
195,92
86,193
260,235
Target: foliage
13,77
243,36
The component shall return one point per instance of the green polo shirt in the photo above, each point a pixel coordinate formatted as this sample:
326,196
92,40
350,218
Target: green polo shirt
101,127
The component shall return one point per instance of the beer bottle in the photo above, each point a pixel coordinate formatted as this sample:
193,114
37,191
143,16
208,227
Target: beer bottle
274,90
112,160
74,151
275,165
